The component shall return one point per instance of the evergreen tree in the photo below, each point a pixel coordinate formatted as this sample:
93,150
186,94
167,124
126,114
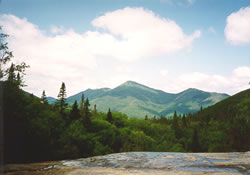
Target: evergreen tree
175,126
82,105
94,111
19,80
86,114
109,116
195,146
43,97
146,117
11,74
184,121
75,112
61,98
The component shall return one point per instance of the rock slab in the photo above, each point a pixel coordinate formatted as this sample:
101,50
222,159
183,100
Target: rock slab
150,163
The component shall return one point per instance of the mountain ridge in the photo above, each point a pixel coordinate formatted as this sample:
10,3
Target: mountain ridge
137,100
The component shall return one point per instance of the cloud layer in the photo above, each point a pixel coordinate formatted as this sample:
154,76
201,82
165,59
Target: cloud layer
237,81
125,35
102,57
237,29
138,33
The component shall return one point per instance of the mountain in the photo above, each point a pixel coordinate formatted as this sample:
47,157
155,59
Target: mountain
51,100
90,93
137,100
233,107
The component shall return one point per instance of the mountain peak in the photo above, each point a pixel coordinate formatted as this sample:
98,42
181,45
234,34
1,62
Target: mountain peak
131,83
191,89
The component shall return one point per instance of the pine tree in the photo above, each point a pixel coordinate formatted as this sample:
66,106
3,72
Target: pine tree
195,146
109,116
175,126
61,98
43,97
95,110
82,105
19,80
75,112
11,73
184,121
86,114
146,117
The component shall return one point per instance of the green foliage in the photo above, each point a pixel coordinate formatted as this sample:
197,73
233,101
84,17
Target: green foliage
61,98
195,145
109,116
35,131
86,114
75,112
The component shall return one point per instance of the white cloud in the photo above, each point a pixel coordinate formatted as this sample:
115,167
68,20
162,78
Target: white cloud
164,73
129,34
237,29
56,30
232,84
242,72
139,33
51,59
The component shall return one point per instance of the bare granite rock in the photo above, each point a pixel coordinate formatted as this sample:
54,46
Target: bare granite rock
143,163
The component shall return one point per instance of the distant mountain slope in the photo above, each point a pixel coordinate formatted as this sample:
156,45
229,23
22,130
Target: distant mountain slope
235,106
51,100
137,100
90,93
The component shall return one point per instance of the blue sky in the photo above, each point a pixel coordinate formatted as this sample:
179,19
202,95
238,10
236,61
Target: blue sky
170,45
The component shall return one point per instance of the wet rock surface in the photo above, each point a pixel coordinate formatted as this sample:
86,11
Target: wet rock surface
142,163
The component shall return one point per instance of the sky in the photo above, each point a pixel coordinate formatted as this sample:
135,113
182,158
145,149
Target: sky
169,45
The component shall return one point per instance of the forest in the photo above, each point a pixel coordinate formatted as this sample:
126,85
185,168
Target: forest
37,131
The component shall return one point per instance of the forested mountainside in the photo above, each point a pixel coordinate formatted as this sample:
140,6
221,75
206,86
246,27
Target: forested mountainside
137,100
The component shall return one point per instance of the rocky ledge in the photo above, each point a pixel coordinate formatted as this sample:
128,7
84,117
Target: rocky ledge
142,163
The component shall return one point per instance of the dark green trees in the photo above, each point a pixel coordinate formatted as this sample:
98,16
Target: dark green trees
61,98
86,114
75,112
195,146
109,116
175,126
82,105
11,73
